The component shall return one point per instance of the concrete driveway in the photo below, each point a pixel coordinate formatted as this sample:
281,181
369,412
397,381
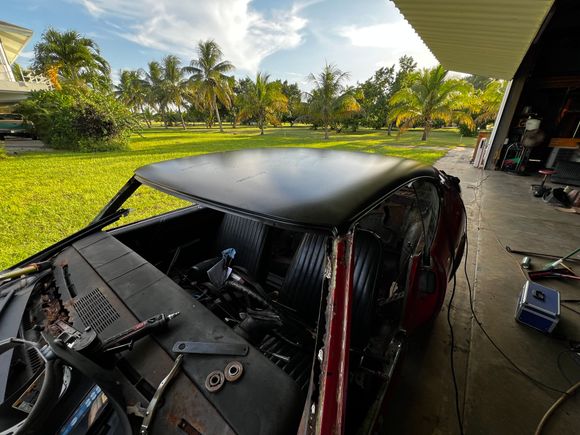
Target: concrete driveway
494,397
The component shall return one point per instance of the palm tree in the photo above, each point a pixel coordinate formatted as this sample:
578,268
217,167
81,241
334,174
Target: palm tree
132,91
174,86
329,99
208,75
483,101
76,59
490,98
154,88
429,96
264,102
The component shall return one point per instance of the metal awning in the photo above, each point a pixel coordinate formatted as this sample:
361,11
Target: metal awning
485,37
13,38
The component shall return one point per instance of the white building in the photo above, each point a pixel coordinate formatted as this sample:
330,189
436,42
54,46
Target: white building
13,89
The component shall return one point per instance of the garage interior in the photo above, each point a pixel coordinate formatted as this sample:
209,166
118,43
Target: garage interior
546,88
507,374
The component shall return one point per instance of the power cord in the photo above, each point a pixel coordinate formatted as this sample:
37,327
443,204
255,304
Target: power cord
491,340
568,393
564,394
451,355
571,353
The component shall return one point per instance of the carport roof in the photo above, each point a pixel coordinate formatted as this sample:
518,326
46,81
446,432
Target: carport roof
13,38
485,37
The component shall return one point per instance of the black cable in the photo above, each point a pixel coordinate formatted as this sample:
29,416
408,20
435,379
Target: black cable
575,357
493,343
452,359
560,368
478,322
570,308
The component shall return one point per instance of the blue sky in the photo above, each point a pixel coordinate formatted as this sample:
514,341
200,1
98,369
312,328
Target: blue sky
287,39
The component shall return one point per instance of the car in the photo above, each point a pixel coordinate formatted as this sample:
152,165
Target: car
13,124
298,275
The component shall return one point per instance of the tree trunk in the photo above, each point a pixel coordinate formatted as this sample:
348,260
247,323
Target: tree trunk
217,113
389,128
165,121
325,131
181,116
425,132
145,117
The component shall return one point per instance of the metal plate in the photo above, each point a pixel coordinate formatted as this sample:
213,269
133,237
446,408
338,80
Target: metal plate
207,348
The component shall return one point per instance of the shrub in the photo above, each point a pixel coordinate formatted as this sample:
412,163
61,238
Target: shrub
467,131
79,119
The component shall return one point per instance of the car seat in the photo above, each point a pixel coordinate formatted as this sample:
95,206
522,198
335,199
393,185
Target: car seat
248,238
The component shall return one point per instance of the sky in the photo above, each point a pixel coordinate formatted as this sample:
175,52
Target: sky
287,39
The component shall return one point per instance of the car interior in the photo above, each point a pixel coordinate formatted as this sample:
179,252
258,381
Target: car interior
286,269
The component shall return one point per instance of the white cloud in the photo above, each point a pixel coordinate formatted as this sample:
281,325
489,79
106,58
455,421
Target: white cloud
26,54
397,38
245,35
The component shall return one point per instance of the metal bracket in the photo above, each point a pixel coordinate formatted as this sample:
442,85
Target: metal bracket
208,348
155,400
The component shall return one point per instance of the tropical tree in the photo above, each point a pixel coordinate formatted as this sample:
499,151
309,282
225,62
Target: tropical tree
239,88
294,96
211,85
428,97
329,100
482,102
376,92
76,59
174,87
478,82
18,71
263,102
407,66
155,97
488,101
132,91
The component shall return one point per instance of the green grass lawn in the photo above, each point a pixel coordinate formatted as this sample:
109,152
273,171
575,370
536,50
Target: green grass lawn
45,197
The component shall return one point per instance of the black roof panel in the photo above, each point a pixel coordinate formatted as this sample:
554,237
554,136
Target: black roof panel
306,187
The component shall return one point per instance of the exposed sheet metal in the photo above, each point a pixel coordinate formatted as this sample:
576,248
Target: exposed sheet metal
488,37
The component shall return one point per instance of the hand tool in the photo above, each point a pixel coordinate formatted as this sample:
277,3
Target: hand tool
139,330
155,400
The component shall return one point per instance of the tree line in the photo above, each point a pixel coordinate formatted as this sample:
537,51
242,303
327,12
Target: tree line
205,90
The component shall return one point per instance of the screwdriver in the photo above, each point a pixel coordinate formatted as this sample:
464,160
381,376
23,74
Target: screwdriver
140,330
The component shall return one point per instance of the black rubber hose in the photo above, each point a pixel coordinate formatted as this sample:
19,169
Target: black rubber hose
249,292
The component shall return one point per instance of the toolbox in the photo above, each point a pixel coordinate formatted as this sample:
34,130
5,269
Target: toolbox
538,307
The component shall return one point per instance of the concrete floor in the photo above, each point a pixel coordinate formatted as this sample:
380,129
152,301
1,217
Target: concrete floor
494,397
